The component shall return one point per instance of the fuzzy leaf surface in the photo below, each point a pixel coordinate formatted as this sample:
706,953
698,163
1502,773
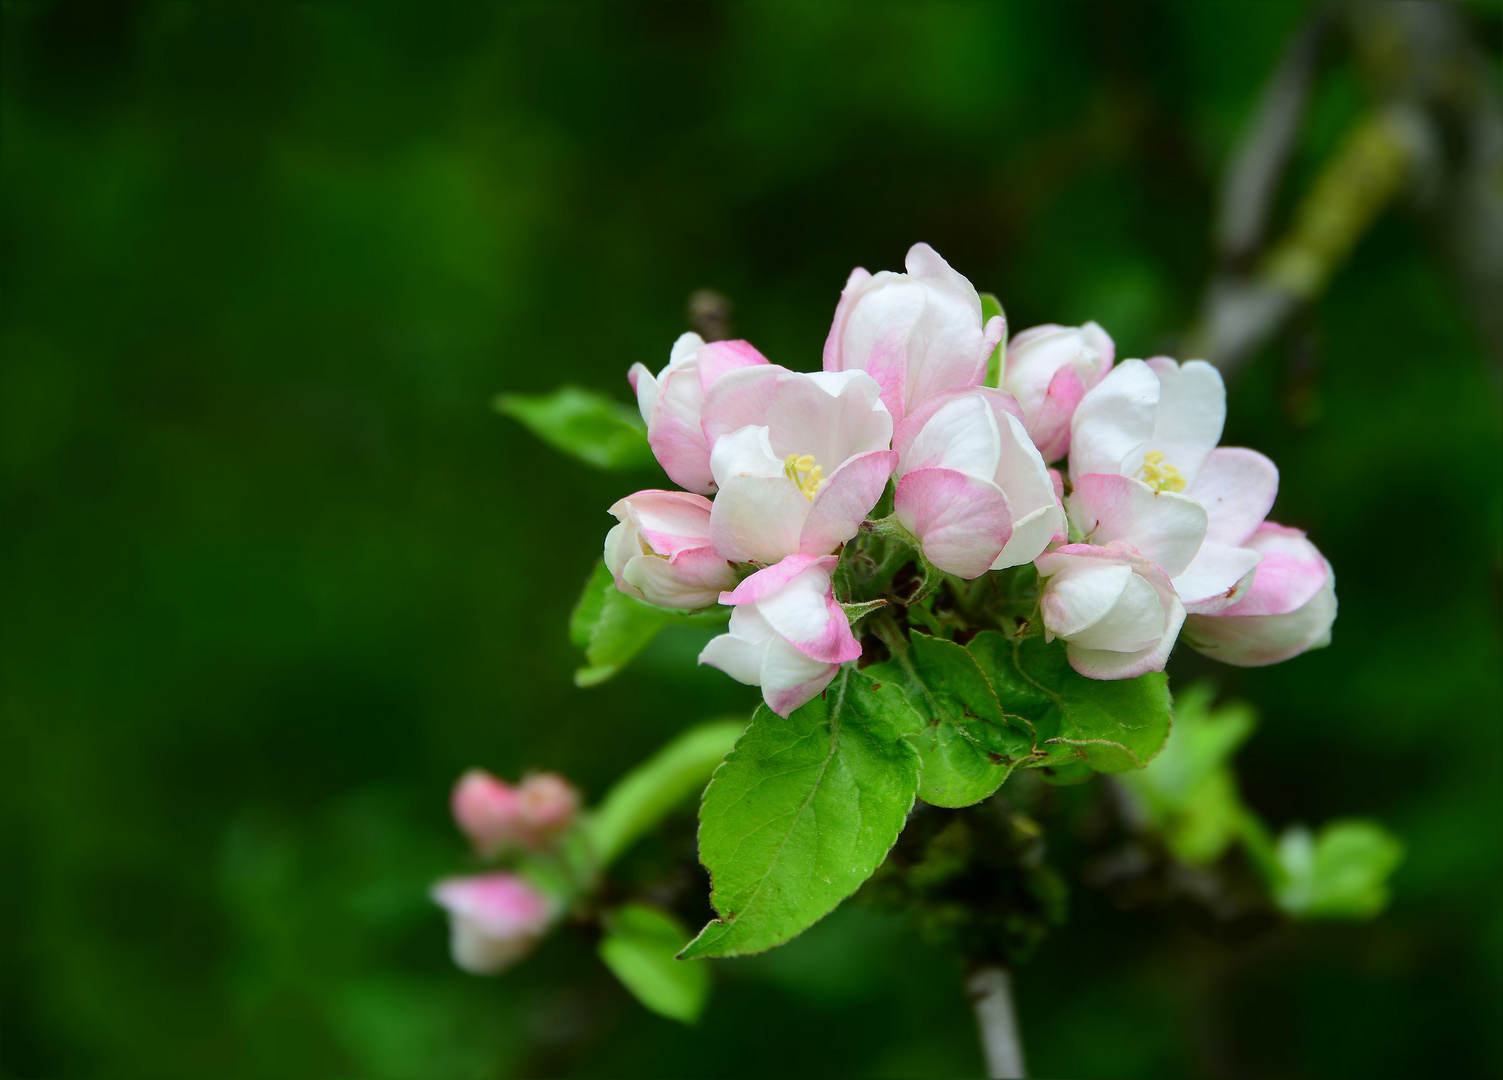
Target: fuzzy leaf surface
1111,725
966,746
583,424
802,811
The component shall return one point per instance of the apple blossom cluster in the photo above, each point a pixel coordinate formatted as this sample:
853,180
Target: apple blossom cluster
1143,529
496,918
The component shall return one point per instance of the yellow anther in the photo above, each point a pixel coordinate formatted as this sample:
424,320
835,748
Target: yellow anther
802,470
1160,476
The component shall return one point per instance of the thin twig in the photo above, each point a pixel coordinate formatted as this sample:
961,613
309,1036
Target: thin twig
990,990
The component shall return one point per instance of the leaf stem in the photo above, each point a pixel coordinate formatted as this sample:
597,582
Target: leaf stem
990,991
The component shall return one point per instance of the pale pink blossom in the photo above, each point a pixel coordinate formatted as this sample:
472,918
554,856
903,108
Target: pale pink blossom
670,404
787,634
1146,472
1049,369
494,919
917,334
1115,610
661,553
799,459
972,486
1288,610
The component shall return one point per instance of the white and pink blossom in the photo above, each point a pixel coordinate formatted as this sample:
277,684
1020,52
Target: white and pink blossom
1049,369
1146,472
972,487
799,459
917,334
670,404
494,919
1288,610
1115,610
661,552
787,634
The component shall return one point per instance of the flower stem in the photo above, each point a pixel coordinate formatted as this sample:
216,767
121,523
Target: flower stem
990,991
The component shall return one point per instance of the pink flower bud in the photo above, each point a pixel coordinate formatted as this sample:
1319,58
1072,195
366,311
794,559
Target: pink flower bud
546,805
494,919
661,551
487,810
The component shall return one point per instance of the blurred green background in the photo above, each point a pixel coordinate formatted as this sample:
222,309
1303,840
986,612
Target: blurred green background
274,573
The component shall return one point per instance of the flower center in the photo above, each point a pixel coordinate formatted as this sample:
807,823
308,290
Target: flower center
801,469
1158,475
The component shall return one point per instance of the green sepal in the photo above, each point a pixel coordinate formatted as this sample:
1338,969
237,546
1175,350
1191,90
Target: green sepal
583,424
639,947
802,811
990,306
611,627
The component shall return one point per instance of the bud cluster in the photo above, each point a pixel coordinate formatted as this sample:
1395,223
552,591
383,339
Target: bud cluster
1144,530
497,918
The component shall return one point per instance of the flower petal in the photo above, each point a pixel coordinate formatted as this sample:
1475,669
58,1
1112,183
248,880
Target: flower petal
962,522
1291,573
1167,528
789,678
1259,640
718,358
1237,487
759,513
1114,420
844,500
1190,415
1218,575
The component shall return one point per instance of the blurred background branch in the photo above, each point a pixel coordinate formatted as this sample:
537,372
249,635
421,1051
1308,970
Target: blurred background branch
1432,138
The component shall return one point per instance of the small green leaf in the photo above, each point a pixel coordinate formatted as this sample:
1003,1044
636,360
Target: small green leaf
990,306
640,798
589,426
611,627
639,946
966,745
1340,874
802,811
1189,791
1111,725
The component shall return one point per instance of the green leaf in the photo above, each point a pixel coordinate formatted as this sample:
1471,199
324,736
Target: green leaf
1340,874
802,812
612,627
1111,725
639,946
990,306
586,425
966,746
1189,791
640,798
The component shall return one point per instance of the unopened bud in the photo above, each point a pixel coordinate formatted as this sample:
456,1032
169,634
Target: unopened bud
487,810
494,919
546,805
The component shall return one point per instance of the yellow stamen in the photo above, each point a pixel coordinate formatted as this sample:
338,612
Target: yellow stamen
1160,476
802,470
